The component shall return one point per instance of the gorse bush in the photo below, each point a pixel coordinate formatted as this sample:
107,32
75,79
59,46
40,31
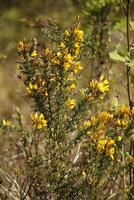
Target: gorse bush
65,151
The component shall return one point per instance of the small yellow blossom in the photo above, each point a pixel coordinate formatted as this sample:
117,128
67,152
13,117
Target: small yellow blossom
38,86
121,123
46,53
76,45
110,150
6,122
59,54
71,87
67,66
31,87
125,110
46,93
77,67
119,138
68,58
76,49
56,61
66,33
106,145
38,120
34,54
87,124
84,174
79,34
98,88
71,103
93,119
58,58
105,116
103,86
24,48
70,77
101,145
62,45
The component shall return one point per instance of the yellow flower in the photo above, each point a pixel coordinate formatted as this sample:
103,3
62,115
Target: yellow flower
93,84
110,142
121,122
66,33
125,110
94,120
59,54
70,77
79,34
57,59
98,88
34,54
110,150
71,87
87,124
119,138
101,144
38,86
46,53
76,45
106,145
38,120
76,48
105,116
68,58
32,87
46,93
77,67
71,103
6,122
62,45
67,66
103,85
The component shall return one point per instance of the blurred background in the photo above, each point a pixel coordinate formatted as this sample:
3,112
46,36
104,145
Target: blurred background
102,20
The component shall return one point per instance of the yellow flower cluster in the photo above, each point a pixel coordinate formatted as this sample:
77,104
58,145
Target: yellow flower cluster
67,54
66,60
106,129
37,86
96,130
38,120
78,35
70,103
98,88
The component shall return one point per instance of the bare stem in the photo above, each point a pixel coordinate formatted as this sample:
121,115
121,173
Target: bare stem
128,50
131,172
